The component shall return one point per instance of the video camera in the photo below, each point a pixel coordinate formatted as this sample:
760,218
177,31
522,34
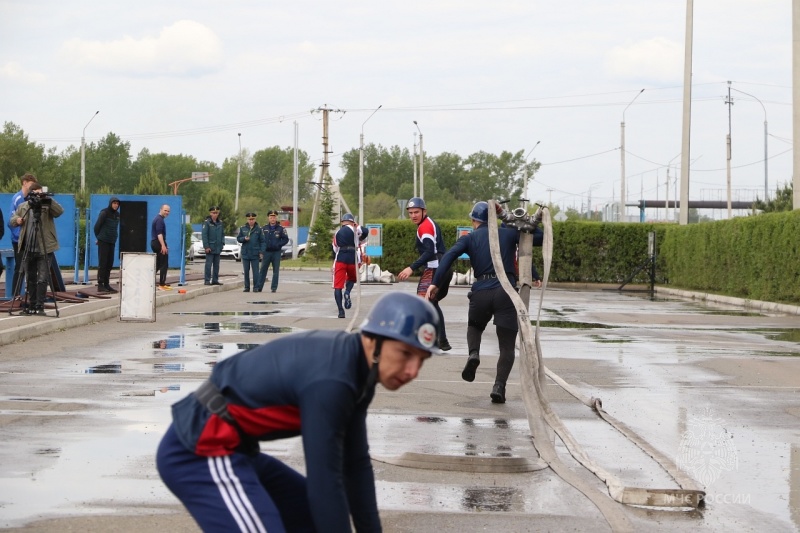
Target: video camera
36,199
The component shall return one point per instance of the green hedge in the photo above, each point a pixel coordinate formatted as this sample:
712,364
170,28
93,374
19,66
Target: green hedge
750,257
582,251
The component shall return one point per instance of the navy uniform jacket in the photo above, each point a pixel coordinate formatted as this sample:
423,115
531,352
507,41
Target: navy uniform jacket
253,247
213,235
430,244
344,243
274,237
305,384
476,246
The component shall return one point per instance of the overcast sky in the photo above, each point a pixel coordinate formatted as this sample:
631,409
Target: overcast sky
188,76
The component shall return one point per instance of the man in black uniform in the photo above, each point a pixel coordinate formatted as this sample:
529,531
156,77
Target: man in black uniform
487,298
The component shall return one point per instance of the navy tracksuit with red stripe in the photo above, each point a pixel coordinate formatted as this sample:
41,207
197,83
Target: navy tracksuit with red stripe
306,384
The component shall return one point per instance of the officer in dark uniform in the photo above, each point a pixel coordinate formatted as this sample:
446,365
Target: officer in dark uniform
487,298
275,237
317,384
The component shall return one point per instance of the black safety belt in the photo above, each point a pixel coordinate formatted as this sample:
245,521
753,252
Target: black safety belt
212,399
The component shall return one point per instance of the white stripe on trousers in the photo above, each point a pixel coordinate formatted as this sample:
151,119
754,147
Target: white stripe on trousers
234,496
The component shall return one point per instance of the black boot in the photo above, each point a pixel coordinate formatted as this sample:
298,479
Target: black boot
468,374
498,394
444,345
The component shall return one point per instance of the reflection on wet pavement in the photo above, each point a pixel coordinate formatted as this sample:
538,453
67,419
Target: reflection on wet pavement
473,437
240,327
230,313
114,368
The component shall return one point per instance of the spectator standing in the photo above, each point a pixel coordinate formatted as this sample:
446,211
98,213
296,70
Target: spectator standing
346,242
430,245
35,248
275,237
27,182
106,231
158,244
252,249
213,241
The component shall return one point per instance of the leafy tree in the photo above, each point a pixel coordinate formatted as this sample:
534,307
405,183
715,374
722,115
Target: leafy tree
150,183
783,200
18,155
385,170
109,162
224,199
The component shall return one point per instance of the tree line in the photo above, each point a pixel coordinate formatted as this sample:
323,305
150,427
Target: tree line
452,183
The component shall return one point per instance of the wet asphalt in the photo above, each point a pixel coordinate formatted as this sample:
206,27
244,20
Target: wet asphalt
84,400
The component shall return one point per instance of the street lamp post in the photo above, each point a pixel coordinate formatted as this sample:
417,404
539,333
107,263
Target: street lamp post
589,200
421,160
525,166
766,136
83,152
622,209
361,170
238,175
414,161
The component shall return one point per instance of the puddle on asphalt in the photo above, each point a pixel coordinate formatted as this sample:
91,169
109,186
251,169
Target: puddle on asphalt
730,313
229,313
473,437
240,327
112,368
786,335
565,324
606,340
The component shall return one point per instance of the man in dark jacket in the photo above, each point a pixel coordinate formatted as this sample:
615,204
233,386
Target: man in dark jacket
252,249
487,298
213,241
275,237
316,384
106,230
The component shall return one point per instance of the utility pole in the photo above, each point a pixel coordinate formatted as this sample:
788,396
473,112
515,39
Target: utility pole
729,103
687,112
323,171
238,175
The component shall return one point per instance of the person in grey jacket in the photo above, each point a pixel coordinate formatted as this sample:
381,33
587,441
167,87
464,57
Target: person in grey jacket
34,248
106,230
213,241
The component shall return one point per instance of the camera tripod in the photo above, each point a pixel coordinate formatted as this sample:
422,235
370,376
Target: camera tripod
33,250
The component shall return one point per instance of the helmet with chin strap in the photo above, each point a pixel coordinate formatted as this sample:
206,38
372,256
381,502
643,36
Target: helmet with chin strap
406,318
416,202
480,212
347,217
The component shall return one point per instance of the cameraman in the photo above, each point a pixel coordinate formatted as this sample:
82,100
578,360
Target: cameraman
38,208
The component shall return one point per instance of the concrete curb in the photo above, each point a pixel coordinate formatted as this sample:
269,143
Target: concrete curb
758,305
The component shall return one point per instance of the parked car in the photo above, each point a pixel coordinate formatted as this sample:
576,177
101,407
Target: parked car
232,248
286,250
196,246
